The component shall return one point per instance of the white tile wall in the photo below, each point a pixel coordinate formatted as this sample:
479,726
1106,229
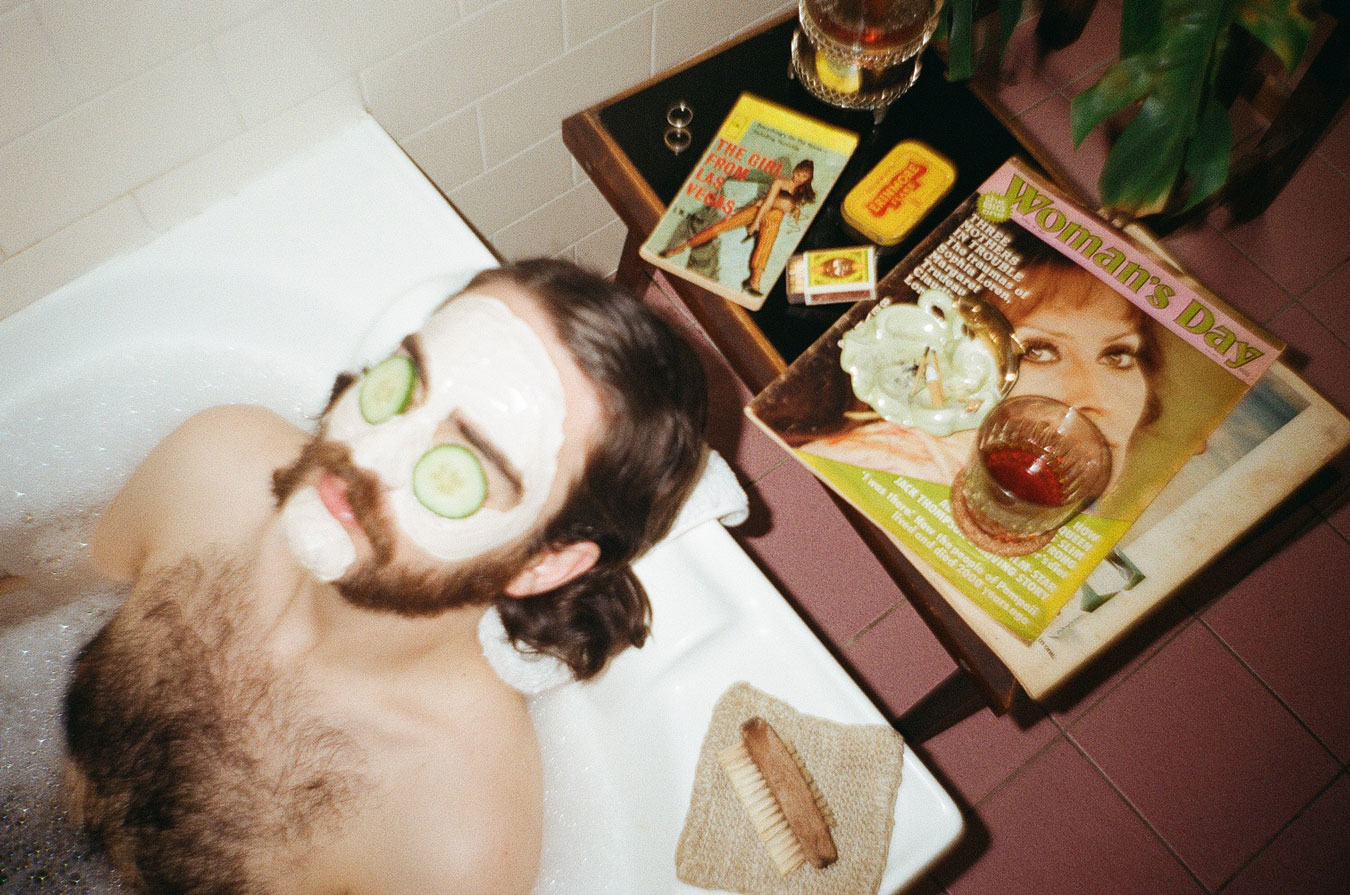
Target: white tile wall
122,118
35,86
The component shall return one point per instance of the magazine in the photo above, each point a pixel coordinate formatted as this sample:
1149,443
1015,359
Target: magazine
749,200
1103,324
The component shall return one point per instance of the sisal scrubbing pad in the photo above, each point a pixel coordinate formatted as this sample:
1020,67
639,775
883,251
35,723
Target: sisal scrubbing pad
857,769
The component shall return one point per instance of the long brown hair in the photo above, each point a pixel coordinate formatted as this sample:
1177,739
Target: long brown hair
637,475
804,192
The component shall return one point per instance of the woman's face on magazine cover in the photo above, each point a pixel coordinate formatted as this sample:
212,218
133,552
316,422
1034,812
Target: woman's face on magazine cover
1090,361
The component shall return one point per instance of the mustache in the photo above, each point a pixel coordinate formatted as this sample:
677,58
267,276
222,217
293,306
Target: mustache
363,492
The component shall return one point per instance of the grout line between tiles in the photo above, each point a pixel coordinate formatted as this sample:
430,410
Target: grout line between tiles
886,613
1290,297
1092,706
1317,151
1014,773
1281,831
766,473
1101,772
1341,762
1066,731
1320,322
1329,274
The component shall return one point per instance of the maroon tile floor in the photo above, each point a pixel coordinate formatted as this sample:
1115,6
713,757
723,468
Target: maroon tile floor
1206,753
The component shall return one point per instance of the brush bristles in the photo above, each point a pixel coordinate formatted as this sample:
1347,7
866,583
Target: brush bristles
768,819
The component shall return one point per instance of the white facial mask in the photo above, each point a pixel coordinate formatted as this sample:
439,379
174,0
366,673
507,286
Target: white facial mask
488,367
316,539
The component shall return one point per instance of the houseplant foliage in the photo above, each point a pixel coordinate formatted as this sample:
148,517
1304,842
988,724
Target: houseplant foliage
1174,151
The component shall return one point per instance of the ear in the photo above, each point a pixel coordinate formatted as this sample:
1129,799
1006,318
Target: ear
554,568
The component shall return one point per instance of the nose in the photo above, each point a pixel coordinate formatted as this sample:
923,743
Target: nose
389,451
1081,389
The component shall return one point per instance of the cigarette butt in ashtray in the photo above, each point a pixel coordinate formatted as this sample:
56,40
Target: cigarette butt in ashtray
933,375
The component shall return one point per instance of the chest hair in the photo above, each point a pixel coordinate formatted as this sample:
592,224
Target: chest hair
197,763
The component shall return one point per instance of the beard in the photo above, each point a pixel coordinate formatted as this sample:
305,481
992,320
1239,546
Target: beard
380,583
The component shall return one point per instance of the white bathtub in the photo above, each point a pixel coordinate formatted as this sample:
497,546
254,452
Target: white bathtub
262,299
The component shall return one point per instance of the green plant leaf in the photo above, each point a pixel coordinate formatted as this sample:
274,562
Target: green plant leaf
956,23
1207,154
1279,24
1144,162
1172,77
1140,25
959,16
1123,83
1009,15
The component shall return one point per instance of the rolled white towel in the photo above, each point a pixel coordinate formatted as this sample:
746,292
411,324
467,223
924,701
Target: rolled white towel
530,673
716,496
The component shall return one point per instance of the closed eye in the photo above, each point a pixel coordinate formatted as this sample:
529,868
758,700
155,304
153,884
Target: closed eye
500,468
412,346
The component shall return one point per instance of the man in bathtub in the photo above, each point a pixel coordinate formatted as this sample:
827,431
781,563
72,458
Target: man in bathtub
296,696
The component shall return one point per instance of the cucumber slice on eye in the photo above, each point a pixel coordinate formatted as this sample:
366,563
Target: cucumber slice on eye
449,480
387,389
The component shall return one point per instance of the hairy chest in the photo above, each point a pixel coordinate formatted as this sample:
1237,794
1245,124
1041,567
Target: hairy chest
202,769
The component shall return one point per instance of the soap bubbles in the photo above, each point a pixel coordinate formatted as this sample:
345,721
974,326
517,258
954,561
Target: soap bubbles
70,440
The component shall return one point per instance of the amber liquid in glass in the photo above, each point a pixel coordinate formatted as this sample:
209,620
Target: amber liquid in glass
1026,473
873,26
862,53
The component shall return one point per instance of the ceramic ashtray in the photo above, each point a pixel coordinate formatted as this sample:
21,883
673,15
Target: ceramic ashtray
939,364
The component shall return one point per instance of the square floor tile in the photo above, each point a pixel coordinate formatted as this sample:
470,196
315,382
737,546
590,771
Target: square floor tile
1020,87
899,659
1205,753
1335,145
1288,622
1310,857
1057,826
978,753
1022,79
1248,124
1108,670
1337,509
1097,47
807,547
1049,125
1228,273
1301,237
1315,353
1329,301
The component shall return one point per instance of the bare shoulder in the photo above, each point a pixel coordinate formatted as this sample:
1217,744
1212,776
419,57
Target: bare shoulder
211,476
485,795
461,817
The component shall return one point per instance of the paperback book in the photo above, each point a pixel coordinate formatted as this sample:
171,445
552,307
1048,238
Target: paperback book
1098,321
746,205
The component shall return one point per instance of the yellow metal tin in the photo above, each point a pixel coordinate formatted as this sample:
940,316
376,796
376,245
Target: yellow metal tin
898,192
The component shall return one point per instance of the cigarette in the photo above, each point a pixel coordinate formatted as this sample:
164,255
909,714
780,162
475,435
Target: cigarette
920,374
934,377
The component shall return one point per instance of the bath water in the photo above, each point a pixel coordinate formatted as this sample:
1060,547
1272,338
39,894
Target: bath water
69,438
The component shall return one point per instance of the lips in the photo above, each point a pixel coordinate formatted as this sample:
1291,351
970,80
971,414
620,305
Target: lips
333,492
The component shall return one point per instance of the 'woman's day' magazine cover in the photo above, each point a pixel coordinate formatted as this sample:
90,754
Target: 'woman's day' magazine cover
1104,325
